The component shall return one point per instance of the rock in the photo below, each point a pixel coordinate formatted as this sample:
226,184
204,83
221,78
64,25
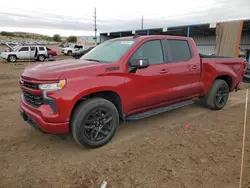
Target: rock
21,170
174,173
204,160
236,150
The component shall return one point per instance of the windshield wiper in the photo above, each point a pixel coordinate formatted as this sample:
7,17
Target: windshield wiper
92,60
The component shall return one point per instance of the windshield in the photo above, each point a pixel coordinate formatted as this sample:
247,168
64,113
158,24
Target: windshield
16,48
109,51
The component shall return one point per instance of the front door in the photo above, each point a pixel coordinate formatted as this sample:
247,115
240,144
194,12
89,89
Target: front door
144,89
23,53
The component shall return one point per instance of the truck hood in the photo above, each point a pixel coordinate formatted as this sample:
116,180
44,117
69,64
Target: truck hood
53,70
67,48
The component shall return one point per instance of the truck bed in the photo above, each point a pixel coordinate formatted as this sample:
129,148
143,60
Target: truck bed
212,56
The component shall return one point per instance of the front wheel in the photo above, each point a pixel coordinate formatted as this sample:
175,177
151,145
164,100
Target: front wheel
50,56
218,95
94,122
70,53
12,58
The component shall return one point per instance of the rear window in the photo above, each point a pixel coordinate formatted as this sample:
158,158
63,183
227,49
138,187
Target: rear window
179,50
41,49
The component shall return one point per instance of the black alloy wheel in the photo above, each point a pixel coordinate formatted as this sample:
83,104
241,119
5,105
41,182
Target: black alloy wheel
98,124
94,122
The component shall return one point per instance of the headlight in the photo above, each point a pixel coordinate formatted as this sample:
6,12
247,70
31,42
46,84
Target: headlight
53,87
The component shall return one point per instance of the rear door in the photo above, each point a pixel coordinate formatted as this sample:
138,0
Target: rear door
183,70
32,52
42,50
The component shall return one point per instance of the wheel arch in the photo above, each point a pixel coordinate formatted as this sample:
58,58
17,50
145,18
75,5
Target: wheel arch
109,95
228,79
12,55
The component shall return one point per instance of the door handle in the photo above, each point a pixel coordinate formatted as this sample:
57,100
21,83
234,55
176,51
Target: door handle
194,67
163,71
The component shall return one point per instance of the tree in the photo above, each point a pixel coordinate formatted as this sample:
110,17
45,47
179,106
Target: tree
57,38
72,39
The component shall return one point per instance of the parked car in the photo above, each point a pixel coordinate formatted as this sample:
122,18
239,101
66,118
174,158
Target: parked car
247,75
79,53
51,53
124,79
69,50
25,53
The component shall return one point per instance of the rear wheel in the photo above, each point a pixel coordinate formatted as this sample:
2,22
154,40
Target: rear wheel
94,122
218,95
41,58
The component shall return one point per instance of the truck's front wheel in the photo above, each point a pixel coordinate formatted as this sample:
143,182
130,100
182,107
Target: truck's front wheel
94,122
217,96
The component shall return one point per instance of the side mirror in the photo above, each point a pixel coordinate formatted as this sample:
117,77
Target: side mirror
139,63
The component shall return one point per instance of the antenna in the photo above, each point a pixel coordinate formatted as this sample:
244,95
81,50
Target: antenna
95,27
142,22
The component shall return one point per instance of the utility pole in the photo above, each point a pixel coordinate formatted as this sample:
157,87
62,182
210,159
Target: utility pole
95,28
142,22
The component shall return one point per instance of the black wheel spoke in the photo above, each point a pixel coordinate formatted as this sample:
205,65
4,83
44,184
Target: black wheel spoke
92,134
89,126
96,134
90,121
107,120
105,133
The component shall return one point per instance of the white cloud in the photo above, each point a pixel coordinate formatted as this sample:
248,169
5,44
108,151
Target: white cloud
75,17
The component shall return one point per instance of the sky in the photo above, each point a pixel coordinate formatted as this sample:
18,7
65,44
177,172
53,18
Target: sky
76,17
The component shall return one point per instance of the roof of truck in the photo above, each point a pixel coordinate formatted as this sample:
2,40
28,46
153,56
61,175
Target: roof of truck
138,37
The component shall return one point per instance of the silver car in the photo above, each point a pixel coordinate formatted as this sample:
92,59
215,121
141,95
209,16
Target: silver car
38,53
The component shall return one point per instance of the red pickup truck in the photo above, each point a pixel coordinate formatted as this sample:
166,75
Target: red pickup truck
127,78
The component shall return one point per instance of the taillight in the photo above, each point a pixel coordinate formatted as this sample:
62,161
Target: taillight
245,64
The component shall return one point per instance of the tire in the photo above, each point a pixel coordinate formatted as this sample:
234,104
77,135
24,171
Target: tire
219,91
51,56
69,53
85,111
41,58
246,80
12,58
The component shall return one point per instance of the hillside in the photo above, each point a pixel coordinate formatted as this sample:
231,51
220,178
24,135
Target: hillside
5,35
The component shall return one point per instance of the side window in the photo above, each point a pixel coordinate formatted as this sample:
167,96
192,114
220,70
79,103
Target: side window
151,50
179,50
32,48
41,49
24,49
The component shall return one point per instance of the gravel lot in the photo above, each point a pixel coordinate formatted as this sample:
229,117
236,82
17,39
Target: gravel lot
191,147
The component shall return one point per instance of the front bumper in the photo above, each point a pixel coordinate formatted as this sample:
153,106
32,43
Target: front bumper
34,118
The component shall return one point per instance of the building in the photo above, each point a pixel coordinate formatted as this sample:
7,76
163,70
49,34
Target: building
87,40
203,34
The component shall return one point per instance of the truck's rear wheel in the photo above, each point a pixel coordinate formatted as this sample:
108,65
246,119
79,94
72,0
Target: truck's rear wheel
218,95
94,122
41,58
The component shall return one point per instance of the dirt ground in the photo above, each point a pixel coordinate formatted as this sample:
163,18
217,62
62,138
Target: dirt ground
191,147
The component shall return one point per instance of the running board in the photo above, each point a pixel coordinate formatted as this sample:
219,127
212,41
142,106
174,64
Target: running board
159,110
